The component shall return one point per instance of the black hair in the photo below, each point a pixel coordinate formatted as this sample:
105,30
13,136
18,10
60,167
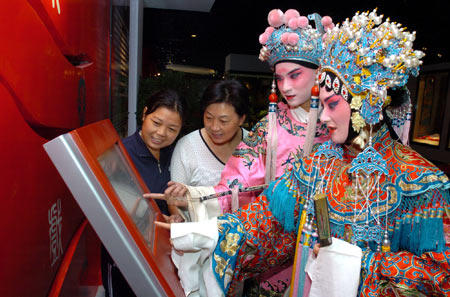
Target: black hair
167,98
302,63
399,96
227,91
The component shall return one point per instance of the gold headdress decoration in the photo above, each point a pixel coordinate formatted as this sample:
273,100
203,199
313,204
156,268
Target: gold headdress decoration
368,56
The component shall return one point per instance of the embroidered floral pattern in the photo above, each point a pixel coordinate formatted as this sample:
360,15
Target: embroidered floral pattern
231,237
357,121
253,240
356,102
230,244
256,140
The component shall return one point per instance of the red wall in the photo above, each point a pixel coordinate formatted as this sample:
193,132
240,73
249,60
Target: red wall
43,93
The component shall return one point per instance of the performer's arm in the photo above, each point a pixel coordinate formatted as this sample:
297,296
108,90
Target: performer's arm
246,167
423,265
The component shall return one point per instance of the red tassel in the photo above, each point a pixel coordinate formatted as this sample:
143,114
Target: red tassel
314,91
273,98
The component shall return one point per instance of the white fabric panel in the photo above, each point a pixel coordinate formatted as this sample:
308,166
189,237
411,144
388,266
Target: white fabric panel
335,272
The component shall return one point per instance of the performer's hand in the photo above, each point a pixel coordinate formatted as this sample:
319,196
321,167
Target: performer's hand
316,249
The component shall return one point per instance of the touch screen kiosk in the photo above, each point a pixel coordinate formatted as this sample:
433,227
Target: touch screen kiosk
101,176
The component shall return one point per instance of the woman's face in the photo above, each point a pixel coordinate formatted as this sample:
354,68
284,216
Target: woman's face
160,128
336,115
221,122
295,82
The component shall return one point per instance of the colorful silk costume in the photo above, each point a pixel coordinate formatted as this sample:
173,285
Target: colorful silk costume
384,199
418,198
246,167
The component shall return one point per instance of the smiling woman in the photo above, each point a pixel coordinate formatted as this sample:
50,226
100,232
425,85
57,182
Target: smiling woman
150,148
159,129
200,156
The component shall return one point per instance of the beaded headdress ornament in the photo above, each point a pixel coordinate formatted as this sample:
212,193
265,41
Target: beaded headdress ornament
290,37
362,59
368,57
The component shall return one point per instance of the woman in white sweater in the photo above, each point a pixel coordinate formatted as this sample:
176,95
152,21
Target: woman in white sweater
200,156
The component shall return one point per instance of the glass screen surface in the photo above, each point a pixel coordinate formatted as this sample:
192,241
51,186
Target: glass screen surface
128,190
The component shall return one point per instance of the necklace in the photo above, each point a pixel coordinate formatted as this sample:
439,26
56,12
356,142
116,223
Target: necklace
367,170
323,160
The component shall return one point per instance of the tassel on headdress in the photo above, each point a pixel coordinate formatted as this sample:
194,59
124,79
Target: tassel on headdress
405,133
272,137
312,120
290,38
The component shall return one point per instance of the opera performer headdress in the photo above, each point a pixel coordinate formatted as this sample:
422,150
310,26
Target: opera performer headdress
290,38
363,58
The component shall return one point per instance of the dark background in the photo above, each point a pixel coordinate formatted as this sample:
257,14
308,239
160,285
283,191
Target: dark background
234,27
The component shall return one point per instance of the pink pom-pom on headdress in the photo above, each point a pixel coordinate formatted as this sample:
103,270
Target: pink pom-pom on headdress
293,24
275,18
290,14
302,22
293,38
269,30
284,37
330,26
326,20
263,38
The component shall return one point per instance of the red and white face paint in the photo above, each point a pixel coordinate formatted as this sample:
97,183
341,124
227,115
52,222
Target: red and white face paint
295,82
336,114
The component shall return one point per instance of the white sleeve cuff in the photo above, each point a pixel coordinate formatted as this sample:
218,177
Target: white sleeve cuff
201,211
197,241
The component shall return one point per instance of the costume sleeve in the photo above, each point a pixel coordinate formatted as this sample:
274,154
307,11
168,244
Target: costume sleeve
422,262
179,165
385,274
246,167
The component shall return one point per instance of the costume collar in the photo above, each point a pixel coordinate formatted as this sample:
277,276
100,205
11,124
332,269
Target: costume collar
409,174
299,114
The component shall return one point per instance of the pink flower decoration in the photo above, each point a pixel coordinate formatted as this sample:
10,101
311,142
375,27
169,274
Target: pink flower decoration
269,30
293,24
275,18
326,20
302,22
263,38
293,38
290,14
284,37
329,26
